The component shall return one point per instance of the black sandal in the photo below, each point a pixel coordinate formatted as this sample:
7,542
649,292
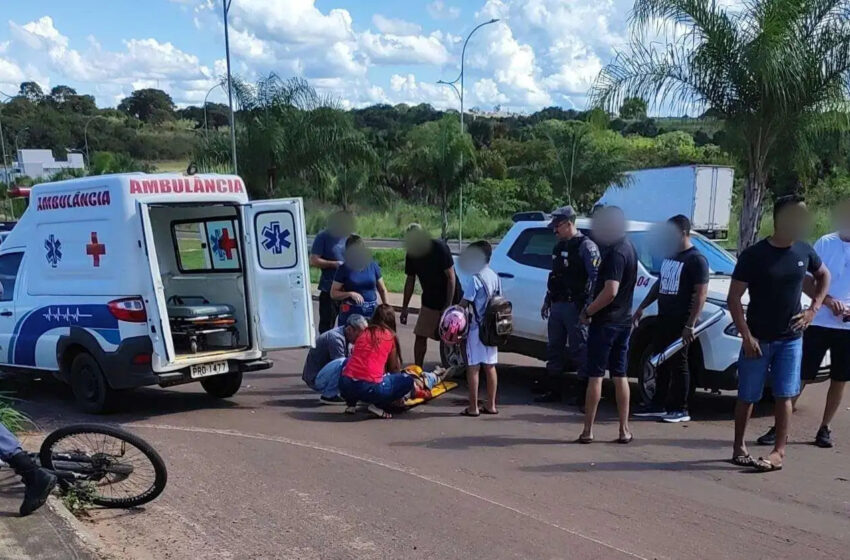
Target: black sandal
743,460
465,412
626,440
585,439
765,465
490,412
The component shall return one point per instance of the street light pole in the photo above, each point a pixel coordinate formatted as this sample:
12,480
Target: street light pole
21,131
206,128
86,136
5,166
226,7
459,93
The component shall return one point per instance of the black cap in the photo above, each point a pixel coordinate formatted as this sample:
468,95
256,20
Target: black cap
564,213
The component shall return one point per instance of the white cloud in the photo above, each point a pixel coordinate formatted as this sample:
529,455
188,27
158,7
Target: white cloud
395,26
406,89
438,9
487,92
404,49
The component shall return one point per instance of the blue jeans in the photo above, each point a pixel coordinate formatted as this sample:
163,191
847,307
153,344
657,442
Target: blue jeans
9,444
393,387
327,380
607,347
779,362
567,343
347,309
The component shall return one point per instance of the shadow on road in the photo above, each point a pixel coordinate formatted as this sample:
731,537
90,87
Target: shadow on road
632,466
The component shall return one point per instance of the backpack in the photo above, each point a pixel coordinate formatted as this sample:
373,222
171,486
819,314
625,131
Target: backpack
498,321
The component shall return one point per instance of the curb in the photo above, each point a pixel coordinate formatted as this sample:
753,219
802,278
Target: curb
90,544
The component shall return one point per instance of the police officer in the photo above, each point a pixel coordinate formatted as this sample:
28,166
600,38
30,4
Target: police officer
575,261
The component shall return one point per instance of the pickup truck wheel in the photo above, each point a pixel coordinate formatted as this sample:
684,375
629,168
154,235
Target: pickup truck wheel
451,356
223,386
89,385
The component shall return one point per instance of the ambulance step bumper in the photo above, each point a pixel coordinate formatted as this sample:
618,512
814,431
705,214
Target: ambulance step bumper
256,365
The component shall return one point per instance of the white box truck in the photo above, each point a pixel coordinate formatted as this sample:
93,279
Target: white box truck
703,193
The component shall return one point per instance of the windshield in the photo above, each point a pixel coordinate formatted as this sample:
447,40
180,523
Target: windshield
720,262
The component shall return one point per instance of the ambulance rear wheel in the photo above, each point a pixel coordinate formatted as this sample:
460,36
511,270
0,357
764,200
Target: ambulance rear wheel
89,385
223,386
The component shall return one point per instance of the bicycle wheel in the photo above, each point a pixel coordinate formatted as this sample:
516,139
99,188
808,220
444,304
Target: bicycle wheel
121,469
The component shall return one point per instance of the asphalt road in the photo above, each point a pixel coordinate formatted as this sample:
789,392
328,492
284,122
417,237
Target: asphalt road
271,474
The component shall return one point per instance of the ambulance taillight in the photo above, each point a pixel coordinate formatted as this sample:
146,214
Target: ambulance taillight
131,310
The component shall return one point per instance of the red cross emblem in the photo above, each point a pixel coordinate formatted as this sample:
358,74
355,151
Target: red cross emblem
226,243
95,249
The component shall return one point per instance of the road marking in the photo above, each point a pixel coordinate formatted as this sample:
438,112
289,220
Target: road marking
397,468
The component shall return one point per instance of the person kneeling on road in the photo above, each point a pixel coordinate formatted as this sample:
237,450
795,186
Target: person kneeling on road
325,361
365,376
37,481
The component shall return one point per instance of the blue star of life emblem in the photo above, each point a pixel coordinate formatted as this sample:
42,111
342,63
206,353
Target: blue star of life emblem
54,250
275,239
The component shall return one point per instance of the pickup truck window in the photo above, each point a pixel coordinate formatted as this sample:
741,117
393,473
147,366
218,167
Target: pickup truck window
9,265
534,247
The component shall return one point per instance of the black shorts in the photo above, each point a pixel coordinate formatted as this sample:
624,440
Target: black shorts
816,341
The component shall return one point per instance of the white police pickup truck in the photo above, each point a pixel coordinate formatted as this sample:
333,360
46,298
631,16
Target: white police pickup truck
122,281
523,260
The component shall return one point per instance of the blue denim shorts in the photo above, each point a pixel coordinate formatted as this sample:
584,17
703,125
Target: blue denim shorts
779,363
607,348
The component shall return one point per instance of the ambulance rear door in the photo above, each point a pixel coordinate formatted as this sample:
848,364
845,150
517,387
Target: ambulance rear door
277,267
156,307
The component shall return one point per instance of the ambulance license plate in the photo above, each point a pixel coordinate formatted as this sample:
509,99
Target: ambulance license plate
205,370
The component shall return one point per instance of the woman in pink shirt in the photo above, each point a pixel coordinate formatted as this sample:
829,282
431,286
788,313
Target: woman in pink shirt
365,376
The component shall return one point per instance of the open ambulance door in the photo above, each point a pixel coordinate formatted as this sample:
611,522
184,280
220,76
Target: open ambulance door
163,344
278,272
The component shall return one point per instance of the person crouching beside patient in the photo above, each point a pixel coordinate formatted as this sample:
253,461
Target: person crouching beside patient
367,374
325,361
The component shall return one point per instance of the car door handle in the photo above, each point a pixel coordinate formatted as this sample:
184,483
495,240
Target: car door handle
505,275
5,313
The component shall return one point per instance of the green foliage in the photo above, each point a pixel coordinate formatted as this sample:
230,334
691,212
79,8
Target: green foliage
148,105
633,108
14,420
777,71
108,162
78,498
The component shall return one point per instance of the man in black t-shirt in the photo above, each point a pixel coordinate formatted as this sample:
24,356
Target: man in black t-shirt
681,291
575,261
771,331
429,261
610,318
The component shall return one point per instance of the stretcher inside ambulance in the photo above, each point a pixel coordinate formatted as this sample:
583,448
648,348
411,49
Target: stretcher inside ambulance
122,281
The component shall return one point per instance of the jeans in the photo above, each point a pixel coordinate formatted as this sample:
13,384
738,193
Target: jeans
567,344
328,311
366,309
607,346
327,380
9,444
393,387
673,376
779,362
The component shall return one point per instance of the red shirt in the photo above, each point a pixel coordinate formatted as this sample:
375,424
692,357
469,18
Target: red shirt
368,359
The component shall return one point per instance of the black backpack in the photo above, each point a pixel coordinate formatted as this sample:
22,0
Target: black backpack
498,321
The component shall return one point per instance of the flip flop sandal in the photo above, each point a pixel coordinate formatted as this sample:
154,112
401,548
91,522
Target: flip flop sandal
764,465
351,410
626,440
490,412
383,414
743,460
465,412
585,439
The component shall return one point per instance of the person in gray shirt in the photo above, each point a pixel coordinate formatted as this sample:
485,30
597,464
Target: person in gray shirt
325,361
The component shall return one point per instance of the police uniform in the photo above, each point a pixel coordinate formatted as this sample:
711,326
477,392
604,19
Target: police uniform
575,263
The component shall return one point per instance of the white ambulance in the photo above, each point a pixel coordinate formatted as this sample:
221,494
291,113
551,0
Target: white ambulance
122,281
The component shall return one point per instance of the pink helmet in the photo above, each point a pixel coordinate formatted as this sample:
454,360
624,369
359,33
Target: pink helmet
453,325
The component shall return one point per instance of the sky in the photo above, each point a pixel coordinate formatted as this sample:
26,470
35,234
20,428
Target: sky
361,52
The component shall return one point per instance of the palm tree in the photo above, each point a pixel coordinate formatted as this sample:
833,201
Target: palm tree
288,134
582,163
776,70
438,156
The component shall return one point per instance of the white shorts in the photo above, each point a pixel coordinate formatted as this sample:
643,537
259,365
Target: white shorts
477,353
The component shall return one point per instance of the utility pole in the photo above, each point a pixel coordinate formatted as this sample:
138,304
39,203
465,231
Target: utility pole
226,6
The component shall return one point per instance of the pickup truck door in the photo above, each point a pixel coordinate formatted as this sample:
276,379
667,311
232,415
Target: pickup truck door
523,268
276,264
